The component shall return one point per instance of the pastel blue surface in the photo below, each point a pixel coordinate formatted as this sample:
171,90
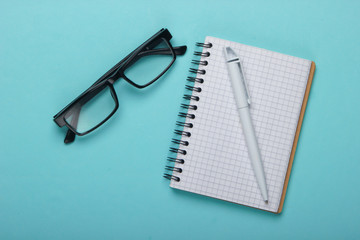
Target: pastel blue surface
109,185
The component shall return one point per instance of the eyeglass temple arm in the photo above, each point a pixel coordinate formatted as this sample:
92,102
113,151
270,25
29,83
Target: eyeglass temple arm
70,135
163,51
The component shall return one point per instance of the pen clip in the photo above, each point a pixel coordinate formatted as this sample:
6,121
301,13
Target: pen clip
245,81
232,57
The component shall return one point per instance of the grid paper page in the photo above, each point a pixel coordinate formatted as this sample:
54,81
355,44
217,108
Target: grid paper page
217,162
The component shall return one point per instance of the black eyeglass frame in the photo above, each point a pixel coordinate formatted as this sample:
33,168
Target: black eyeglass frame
115,73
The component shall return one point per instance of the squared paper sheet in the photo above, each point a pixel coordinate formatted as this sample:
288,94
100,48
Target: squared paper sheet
217,162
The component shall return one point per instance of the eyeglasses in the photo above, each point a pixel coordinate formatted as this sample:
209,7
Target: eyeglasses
141,68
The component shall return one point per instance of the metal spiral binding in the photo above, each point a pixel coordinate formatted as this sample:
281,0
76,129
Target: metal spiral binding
175,169
177,141
171,177
207,45
191,88
186,126
178,150
186,115
182,124
202,54
182,133
198,62
176,160
188,106
194,79
191,97
199,71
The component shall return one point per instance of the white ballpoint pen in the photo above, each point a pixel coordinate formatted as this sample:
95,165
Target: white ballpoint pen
242,98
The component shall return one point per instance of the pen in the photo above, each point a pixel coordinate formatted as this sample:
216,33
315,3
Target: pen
242,98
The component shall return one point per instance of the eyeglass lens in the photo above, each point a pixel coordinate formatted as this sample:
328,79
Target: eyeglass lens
147,68
92,112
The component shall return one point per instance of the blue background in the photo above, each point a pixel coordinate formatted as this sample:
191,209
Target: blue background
109,184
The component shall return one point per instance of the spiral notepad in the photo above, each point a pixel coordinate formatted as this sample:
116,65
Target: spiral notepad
208,155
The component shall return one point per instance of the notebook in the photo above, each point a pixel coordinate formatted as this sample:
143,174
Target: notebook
208,155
